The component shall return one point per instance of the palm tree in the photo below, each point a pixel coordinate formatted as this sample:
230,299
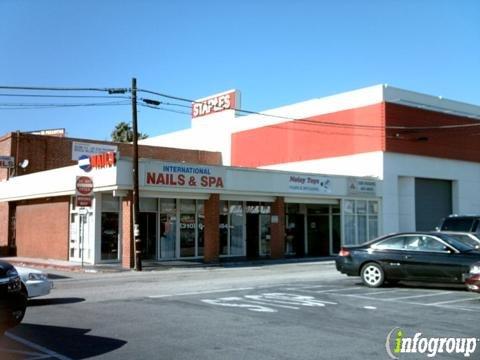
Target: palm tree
123,133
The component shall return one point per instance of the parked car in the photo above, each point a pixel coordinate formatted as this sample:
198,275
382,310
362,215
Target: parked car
34,282
416,256
462,223
473,283
13,300
465,237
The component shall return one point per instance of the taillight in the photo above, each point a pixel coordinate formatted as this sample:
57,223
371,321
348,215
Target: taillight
344,252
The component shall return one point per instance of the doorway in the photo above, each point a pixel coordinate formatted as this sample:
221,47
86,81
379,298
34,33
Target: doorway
148,234
295,235
252,235
318,235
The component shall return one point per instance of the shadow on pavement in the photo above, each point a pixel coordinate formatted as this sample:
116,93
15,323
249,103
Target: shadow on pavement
419,286
70,342
54,301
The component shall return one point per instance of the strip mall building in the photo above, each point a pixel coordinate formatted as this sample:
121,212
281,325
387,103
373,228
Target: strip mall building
300,180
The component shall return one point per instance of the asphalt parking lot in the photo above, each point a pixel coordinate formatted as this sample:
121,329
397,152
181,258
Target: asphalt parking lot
251,313
296,297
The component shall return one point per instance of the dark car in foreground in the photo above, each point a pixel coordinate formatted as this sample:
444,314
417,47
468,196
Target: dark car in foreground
13,300
413,256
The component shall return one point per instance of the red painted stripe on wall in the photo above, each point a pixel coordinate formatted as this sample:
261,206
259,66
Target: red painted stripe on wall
462,143
312,138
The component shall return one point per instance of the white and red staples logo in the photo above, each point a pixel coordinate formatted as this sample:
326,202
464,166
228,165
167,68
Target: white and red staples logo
214,104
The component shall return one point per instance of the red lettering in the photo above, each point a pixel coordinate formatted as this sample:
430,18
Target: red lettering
160,179
181,180
104,160
219,182
171,180
204,181
150,178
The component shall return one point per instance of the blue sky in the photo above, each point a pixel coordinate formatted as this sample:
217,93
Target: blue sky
275,52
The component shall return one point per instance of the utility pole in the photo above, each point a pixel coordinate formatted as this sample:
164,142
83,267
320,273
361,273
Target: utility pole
136,201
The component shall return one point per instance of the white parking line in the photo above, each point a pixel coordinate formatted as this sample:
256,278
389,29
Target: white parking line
441,304
419,296
454,301
199,292
32,345
336,289
271,304
383,292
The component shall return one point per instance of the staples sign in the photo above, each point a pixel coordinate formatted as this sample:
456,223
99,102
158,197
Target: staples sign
213,105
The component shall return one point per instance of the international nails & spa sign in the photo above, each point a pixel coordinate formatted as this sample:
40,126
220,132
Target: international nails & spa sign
186,176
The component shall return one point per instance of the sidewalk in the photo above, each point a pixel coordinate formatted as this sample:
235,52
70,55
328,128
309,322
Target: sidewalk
152,265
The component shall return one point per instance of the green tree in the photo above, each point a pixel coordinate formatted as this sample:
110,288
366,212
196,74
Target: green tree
123,133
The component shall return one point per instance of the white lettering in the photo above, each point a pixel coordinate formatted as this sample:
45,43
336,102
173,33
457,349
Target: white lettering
214,104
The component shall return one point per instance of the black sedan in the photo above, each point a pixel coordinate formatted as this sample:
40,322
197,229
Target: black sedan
13,300
415,256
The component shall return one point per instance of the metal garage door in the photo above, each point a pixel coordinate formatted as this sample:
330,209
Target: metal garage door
433,201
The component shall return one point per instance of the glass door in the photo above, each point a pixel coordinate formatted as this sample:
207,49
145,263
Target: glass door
265,235
74,254
168,228
148,234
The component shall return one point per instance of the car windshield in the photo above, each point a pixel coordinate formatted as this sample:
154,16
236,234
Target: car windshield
456,243
466,239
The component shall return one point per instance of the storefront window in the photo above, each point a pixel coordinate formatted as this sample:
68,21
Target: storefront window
231,225
200,234
109,240
168,228
361,221
187,235
236,229
264,235
109,228
223,228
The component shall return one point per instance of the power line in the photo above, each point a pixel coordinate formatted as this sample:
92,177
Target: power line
43,88
35,106
68,96
244,111
319,122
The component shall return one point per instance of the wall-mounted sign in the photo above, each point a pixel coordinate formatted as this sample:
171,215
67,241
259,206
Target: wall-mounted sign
361,187
309,184
186,176
83,191
50,132
214,104
88,149
98,161
7,162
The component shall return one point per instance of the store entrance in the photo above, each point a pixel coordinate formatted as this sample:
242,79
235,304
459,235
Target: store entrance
295,235
258,229
252,235
318,235
148,234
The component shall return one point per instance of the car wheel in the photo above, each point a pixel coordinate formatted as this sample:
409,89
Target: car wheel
17,311
372,275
